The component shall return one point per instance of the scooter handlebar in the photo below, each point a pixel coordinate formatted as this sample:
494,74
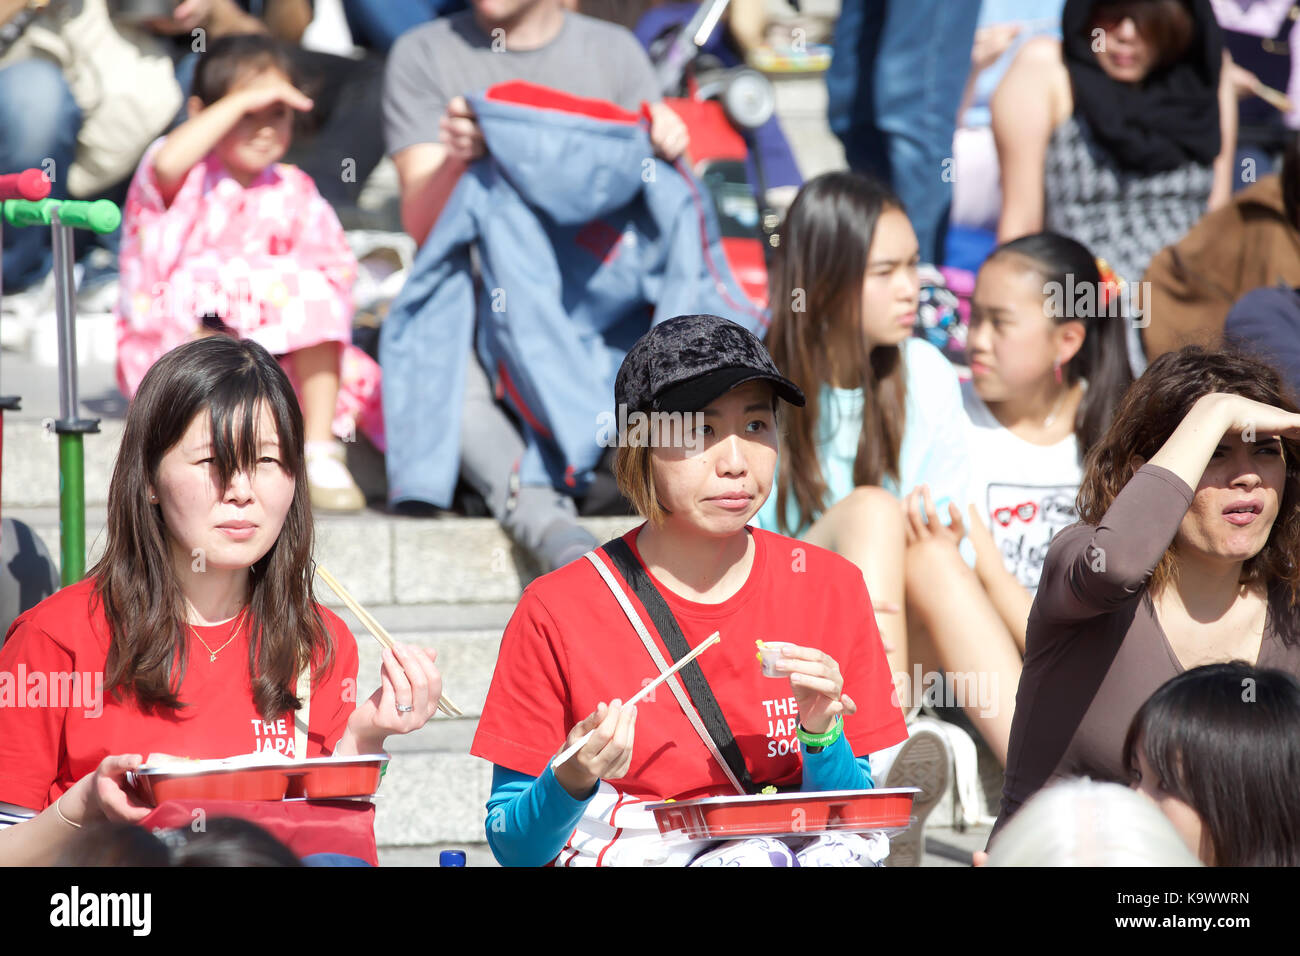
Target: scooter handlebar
99,216
30,184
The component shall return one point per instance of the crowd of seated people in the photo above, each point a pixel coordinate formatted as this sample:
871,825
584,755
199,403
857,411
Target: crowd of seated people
1083,504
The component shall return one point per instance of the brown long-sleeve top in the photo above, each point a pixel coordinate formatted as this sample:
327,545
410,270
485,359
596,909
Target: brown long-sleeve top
1094,648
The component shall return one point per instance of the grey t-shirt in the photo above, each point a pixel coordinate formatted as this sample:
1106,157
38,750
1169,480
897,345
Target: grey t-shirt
452,56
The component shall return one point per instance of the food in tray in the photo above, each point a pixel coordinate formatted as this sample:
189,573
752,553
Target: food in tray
192,764
162,760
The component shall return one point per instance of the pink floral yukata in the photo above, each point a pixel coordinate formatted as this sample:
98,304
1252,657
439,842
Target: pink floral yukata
270,260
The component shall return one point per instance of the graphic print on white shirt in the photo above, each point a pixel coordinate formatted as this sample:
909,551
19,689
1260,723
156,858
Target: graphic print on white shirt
1024,492
1024,519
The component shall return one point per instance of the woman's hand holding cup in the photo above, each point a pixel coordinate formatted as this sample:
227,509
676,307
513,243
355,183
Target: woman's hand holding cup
817,686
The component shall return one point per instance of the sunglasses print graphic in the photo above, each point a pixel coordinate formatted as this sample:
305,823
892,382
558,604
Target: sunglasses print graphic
1025,511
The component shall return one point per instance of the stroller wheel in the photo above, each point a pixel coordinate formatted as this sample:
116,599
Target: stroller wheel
27,572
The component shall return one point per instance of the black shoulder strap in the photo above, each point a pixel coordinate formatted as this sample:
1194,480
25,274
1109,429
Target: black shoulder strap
697,687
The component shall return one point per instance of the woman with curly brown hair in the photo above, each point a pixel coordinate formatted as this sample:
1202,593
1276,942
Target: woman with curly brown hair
1186,554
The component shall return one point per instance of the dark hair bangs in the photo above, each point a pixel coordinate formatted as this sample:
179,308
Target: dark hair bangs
1222,739
235,424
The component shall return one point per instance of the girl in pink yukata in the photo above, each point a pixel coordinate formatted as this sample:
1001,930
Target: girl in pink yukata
219,237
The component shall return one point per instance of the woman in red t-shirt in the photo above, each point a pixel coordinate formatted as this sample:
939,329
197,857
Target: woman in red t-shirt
189,635
569,648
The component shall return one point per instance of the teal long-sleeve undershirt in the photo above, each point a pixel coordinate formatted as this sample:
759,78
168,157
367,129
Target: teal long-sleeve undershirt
530,818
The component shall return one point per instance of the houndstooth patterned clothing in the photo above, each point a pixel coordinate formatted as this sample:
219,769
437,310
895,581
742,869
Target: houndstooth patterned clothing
1121,216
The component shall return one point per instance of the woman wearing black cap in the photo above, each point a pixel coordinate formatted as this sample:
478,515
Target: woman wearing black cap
698,402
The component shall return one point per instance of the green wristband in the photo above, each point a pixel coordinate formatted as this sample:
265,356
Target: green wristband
821,740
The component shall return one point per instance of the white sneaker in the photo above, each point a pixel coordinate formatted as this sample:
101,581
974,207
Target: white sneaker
924,761
99,298
969,806
331,484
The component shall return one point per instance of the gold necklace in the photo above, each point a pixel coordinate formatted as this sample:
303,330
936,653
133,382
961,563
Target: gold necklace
212,655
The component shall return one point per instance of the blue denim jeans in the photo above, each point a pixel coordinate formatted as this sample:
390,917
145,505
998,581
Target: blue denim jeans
39,121
376,24
894,86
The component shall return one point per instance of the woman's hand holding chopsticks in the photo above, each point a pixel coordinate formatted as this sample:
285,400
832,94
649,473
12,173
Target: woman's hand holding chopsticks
606,756
406,700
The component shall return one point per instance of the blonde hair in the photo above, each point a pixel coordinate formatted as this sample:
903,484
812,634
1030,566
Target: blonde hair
634,472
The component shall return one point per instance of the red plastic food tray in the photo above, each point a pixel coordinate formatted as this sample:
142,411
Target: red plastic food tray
344,780
781,814
318,779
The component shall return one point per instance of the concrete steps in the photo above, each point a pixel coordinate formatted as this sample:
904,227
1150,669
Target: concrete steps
383,559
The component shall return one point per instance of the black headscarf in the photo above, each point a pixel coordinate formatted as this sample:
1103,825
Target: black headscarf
1171,118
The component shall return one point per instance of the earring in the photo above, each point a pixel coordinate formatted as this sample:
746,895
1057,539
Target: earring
1056,370
153,497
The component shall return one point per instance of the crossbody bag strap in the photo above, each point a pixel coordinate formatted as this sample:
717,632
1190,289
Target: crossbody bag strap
705,714
673,684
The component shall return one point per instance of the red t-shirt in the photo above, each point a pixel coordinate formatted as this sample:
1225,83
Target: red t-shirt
569,646
54,731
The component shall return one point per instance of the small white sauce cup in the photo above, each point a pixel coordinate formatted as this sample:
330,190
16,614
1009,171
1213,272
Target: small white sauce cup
773,654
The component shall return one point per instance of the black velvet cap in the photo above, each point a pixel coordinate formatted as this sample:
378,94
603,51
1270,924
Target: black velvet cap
686,362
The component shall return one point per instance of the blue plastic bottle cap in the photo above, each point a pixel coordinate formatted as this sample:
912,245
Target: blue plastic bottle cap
451,858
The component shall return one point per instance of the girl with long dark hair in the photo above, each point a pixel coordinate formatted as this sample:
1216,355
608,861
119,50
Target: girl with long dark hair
883,416
884,407
1216,749
1048,364
197,634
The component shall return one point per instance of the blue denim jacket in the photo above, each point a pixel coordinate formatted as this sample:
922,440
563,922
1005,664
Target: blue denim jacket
584,240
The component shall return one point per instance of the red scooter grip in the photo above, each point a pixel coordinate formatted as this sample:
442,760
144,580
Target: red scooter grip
30,184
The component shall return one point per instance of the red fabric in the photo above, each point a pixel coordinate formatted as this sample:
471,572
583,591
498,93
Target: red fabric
47,744
712,135
569,646
745,256
311,826
506,389
522,93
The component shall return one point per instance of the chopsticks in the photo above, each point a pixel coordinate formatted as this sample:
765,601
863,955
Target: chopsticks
712,639
377,630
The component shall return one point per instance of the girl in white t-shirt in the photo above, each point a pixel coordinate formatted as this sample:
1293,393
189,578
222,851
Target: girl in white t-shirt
1048,364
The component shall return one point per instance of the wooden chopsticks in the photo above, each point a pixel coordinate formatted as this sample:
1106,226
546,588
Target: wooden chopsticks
714,638
377,630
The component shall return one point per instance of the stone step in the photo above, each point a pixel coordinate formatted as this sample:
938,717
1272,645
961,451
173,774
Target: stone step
429,798
385,559
466,660
31,461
